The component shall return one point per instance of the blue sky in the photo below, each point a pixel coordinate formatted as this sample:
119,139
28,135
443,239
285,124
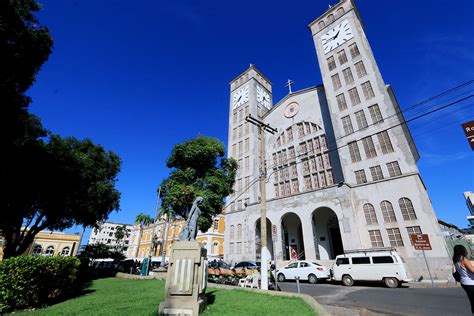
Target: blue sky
140,76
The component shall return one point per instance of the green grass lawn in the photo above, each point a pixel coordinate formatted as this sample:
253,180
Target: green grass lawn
115,296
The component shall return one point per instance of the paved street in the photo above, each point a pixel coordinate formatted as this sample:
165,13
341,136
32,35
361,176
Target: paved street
400,301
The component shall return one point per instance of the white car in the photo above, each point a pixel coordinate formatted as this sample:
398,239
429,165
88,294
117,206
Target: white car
305,270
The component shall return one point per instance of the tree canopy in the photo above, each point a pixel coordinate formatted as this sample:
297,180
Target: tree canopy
199,169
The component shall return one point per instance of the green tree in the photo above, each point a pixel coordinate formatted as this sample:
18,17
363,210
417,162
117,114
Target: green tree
142,220
120,234
199,169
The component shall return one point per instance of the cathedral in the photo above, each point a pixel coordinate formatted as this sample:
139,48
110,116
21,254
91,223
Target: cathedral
341,170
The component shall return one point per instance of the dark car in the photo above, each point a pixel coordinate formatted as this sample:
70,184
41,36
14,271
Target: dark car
251,265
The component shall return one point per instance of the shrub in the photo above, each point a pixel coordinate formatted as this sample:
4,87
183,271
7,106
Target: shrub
28,281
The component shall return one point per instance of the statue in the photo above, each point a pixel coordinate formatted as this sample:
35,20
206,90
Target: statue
190,229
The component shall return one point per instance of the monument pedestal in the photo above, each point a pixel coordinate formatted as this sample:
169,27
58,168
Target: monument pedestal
186,280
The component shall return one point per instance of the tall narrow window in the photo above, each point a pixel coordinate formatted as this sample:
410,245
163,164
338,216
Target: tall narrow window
347,125
331,63
395,237
367,90
354,151
385,143
234,117
360,176
340,11
239,231
247,163
387,212
307,183
246,145
360,119
354,96
369,213
341,55
341,102
294,186
348,78
376,173
412,230
369,147
375,114
408,211
354,50
360,69
330,18
393,169
289,134
232,232
375,238
321,25
336,82
234,150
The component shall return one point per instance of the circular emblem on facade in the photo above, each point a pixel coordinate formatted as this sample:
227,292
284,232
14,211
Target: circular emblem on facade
292,109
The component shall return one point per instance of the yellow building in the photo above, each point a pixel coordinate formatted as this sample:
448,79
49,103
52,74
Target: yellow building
141,239
213,239
48,243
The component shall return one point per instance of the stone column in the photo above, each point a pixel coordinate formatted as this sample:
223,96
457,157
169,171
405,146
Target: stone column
308,237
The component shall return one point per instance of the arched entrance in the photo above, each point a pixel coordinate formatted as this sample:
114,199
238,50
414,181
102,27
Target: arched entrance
292,237
327,235
258,244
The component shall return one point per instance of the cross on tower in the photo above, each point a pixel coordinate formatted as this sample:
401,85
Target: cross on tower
288,84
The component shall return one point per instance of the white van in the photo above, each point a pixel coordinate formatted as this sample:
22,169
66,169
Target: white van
383,265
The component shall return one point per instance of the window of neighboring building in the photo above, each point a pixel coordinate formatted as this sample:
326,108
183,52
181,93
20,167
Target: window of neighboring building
354,152
375,114
65,251
49,251
215,247
354,96
354,50
376,173
231,232
231,248
239,248
385,143
413,230
336,82
37,250
393,169
387,212
234,117
408,211
369,147
376,238
347,125
331,63
360,176
216,224
341,102
367,90
239,231
369,213
347,73
360,69
395,237
361,120
307,183
341,56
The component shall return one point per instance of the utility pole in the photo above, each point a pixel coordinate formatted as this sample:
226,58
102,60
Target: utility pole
153,230
265,254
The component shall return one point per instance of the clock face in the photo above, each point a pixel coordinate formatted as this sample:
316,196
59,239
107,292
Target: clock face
241,96
263,97
292,109
336,36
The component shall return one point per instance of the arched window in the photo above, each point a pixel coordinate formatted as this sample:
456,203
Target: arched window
49,251
65,251
232,232
369,212
321,25
387,212
340,11
37,250
407,209
330,18
215,247
216,225
239,231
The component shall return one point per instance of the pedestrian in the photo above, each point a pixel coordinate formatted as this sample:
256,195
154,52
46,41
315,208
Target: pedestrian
466,272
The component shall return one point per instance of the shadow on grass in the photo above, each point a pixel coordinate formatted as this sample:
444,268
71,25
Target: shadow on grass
210,297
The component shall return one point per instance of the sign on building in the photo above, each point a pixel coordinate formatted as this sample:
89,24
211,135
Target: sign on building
421,241
469,131
274,232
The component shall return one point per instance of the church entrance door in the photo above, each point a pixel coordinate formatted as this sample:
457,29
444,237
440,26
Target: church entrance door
327,235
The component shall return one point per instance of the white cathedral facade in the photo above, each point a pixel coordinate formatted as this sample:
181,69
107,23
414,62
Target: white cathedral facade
341,170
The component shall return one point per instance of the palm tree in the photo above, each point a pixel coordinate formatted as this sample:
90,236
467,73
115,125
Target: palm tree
142,220
168,214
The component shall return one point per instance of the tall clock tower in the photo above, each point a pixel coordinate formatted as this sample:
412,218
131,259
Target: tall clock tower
363,108
250,94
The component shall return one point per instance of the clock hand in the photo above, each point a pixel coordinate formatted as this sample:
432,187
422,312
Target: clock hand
336,34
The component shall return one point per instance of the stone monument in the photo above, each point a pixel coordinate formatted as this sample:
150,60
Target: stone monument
186,280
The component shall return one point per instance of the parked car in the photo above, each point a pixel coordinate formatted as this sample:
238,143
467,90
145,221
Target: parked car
251,265
305,270
382,265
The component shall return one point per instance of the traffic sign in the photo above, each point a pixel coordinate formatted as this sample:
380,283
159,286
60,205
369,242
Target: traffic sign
420,241
469,131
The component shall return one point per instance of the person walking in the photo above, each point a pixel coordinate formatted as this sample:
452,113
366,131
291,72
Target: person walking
466,272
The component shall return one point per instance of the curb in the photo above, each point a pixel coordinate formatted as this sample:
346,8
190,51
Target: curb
156,275
318,309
